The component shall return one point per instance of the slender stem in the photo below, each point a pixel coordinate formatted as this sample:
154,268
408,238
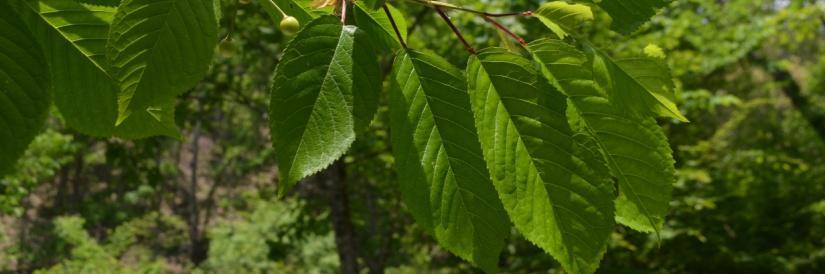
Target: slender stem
505,30
395,27
454,7
279,8
444,16
344,12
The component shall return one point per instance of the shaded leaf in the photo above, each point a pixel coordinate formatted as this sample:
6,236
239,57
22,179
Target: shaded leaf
24,82
636,149
629,15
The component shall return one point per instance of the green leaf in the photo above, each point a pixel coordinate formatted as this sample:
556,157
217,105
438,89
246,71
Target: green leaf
443,178
73,37
562,17
549,183
640,85
377,24
639,155
566,67
636,149
629,15
325,90
24,82
159,49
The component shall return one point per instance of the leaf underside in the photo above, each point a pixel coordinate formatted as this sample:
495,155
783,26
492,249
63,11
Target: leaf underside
442,174
636,149
642,86
378,24
74,36
549,183
562,17
158,49
325,90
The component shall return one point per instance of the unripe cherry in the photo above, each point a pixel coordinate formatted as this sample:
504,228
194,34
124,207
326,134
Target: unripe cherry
290,25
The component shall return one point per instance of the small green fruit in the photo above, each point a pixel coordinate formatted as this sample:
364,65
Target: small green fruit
290,25
227,49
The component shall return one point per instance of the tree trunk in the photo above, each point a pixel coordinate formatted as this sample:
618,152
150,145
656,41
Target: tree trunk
198,250
334,181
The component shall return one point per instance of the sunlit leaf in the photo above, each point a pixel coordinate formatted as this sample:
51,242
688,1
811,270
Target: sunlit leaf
325,90
550,185
443,178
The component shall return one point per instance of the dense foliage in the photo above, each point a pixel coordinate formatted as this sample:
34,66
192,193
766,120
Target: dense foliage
416,151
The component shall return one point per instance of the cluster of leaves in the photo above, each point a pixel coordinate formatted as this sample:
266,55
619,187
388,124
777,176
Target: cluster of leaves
559,139
540,139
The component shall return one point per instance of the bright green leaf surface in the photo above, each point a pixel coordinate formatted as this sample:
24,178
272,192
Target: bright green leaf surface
24,82
566,67
377,24
640,157
636,149
555,196
443,178
562,17
325,90
640,85
74,38
158,49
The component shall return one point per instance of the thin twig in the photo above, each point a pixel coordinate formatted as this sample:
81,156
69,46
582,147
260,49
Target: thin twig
279,8
454,7
395,27
444,16
344,12
505,30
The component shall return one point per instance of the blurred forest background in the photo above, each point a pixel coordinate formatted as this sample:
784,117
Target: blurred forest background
749,197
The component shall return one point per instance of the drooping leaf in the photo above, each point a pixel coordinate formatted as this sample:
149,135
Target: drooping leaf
73,37
550,185
443,178
158,49
640,85
377,24
325,90
636,149
629,15
24,82
562,17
